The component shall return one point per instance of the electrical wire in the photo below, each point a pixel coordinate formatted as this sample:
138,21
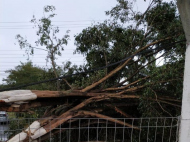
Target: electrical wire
38,57
35,62
56,21
85,72
68,24
32,28
11,26
25,28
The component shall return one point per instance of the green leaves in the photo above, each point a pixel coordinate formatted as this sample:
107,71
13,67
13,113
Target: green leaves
121,11
111,41
47,37
47,34
49,8
24,74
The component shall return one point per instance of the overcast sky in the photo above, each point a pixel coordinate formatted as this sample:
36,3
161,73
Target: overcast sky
73,15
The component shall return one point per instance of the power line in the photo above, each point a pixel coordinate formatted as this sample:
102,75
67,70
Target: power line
40,64
85,72
10,51
40,57
32,28
55,21
35,62
23,50
15,26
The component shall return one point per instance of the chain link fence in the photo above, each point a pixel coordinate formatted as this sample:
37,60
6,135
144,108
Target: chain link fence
163,129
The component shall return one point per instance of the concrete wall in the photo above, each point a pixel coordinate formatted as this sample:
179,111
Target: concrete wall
184,135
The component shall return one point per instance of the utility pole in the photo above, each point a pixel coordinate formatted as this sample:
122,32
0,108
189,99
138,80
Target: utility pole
184,134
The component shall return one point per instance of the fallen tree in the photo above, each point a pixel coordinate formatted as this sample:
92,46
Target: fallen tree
84,103
132,86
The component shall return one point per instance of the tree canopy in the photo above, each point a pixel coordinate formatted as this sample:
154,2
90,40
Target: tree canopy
135,42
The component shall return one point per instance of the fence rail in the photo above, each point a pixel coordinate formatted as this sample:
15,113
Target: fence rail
163,129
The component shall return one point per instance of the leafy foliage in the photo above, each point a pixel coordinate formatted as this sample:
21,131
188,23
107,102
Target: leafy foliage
47,34
112,41
28,73
146,87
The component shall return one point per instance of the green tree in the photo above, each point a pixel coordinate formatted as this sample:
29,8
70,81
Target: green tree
27,73
137,86
48,39
115,40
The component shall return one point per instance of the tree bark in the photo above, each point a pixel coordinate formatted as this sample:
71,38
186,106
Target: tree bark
123,65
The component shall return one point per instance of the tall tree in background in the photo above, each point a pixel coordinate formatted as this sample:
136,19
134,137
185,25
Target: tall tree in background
26,73
48,39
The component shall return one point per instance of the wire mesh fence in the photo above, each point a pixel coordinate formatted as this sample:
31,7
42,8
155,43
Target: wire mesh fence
163,129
